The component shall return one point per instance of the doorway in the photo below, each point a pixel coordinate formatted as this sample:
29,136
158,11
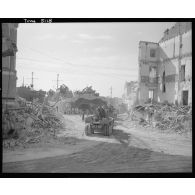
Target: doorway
185,97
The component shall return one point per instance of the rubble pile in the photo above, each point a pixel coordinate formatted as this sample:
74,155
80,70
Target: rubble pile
29,123
168,116
177,118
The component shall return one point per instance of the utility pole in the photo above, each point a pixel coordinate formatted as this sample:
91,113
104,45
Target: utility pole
32,80
57,84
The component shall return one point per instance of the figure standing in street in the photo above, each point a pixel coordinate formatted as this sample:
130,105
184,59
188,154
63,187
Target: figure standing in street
83,116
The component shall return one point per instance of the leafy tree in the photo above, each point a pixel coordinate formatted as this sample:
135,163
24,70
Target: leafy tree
40,95
65,92
30,95
87,90
51,93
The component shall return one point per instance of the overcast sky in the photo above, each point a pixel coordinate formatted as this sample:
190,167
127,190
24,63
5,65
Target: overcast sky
97,54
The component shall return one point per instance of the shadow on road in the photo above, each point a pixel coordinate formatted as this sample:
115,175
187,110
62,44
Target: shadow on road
121,136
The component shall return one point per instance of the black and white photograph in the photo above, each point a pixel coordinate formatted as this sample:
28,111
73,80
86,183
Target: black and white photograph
96,96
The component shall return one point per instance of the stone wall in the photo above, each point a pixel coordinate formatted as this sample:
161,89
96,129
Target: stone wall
9,49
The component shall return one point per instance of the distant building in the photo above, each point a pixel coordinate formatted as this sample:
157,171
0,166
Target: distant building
9,49
165,68
115,102
130,93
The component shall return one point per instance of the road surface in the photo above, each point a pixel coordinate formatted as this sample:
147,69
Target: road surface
128,150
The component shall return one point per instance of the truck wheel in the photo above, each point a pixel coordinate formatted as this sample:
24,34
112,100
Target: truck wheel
87,129
91,130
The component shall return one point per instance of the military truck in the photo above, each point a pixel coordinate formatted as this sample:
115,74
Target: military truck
103,126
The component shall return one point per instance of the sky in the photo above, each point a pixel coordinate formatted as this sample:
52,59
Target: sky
101,55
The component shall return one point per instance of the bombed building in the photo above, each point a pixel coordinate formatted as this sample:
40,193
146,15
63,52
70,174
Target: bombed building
165,68
130,93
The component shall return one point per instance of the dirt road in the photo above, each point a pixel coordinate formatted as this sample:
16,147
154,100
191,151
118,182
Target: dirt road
129,149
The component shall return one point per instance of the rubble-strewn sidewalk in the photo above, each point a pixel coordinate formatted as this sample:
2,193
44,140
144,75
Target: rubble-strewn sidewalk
29,123
165,116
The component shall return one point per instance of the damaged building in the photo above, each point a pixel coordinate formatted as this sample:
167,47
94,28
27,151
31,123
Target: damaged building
165,68
130,93
9,49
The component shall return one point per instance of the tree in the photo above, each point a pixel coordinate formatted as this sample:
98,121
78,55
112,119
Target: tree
87,90
40,95
51,93
30,95
65,92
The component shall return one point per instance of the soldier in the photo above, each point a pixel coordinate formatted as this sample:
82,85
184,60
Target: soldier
106,111
83,116
102,113
98,113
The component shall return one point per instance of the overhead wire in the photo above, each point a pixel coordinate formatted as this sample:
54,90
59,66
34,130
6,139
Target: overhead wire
96,72
65,61
74,65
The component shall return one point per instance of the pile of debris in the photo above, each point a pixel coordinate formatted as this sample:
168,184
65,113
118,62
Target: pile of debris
177,118
166,116
29,123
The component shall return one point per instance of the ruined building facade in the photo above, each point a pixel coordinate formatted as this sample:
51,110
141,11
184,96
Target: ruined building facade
130,93
9,49
165,68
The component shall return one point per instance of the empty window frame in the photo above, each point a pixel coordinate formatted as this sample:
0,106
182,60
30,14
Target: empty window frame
152,53
183,73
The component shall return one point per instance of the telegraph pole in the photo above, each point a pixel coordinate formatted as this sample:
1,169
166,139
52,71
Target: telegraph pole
57,81
32,80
